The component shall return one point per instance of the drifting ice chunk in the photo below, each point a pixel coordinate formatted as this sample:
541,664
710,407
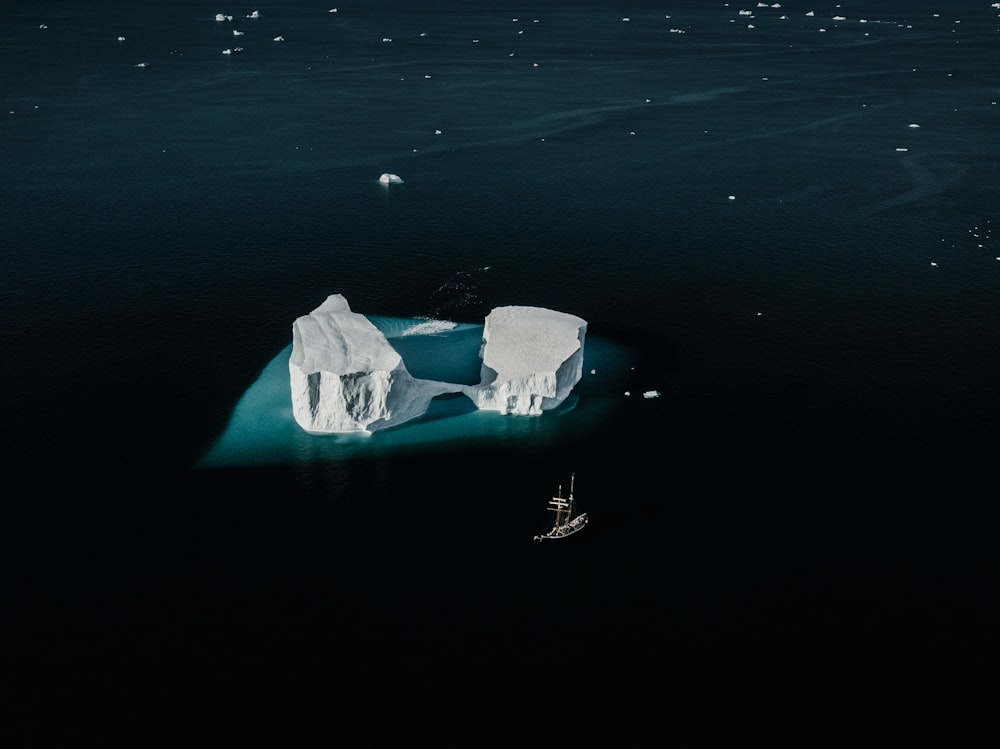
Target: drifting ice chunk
390,179
346,377
532,358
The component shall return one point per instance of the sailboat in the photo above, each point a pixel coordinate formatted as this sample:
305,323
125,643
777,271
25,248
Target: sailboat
566,523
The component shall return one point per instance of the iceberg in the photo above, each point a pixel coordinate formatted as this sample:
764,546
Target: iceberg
390,179
532,358
345,375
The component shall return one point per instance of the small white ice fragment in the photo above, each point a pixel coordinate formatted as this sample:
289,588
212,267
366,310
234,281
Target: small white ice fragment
593,371
437,132
732,197
121,39
390,179
902,150
627,393
254,14
279,38
651,394
913,124
237,33
934,264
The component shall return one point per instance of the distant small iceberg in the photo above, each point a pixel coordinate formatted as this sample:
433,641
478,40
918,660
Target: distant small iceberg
253,14
390,179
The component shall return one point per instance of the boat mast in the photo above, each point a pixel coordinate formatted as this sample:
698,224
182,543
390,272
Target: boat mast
558,503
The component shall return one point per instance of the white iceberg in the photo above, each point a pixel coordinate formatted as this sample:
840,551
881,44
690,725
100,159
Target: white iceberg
345,376
532,358
390,179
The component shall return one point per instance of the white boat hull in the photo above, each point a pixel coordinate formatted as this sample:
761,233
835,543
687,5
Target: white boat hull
567,529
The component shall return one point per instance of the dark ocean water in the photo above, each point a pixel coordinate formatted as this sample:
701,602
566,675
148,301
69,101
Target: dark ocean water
738,203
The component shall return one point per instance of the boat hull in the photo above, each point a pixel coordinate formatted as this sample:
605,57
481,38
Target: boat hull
574,525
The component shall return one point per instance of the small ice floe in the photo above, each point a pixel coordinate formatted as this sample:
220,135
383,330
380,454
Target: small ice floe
933,264
627,393
746,12
386,39
142,64
390,179
333,10
810,13
732,197
233,51
651,394
429,327
237,33
253,14
902,150
279,38
593,371
42,26
839,18
437,132
223,17
121,39
913,124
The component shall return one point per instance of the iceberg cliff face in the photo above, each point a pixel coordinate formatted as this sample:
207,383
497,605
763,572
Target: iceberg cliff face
532,359
346,376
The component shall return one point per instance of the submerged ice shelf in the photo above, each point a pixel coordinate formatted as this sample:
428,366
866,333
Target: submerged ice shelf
262,429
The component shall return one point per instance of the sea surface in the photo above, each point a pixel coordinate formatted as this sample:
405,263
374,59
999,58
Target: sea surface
784,222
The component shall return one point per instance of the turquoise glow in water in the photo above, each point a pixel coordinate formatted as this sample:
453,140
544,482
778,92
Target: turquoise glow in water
262,430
